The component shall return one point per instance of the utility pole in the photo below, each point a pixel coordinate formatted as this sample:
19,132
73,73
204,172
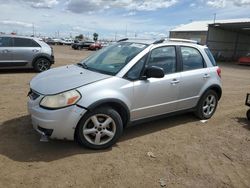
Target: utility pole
33,28
126,32
214,17
115,35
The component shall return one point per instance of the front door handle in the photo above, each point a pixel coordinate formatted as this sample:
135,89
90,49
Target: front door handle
175,81
35,50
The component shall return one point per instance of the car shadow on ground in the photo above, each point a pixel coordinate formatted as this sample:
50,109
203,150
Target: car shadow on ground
244,122
20,142
16,71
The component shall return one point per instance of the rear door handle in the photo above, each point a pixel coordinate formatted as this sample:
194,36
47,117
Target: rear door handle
206,76
35,50
6,51
175,81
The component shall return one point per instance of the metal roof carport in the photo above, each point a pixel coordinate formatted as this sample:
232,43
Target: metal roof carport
229,41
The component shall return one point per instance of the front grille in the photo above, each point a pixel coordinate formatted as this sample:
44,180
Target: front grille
33,95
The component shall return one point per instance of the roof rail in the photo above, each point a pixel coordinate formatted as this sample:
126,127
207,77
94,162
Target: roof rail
175,40
182,40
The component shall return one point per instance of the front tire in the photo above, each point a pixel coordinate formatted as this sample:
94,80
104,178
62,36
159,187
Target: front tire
42,64
99,129
207,105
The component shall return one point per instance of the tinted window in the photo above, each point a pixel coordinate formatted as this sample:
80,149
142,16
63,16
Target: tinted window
164,57
135,72
191,58
210,56
22,42
5,42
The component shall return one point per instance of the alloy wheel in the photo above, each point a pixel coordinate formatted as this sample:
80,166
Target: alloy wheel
43,65
209,105
99,129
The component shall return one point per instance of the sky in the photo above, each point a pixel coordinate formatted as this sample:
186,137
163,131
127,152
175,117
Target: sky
112,18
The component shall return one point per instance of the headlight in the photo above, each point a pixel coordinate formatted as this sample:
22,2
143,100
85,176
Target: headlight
61,100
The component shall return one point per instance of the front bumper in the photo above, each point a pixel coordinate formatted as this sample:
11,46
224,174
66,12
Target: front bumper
62,122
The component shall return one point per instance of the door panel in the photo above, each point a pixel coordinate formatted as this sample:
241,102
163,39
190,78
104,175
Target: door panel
194,76
24,50
191,83
155,96
5,51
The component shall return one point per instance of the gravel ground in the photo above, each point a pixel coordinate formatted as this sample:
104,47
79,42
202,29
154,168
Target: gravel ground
186,152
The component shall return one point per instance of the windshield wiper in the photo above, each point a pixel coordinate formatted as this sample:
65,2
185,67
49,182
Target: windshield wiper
83,65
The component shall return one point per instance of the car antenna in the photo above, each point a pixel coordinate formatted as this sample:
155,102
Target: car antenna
121,40
159,41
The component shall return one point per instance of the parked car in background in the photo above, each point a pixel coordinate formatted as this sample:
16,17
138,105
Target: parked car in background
68,41
25,52
81,44
50,41
95,46
244,60
128,82
58,41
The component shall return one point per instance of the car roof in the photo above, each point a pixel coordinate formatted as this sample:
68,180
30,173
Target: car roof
18,36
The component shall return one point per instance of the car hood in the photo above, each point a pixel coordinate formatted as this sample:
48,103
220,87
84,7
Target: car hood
64,78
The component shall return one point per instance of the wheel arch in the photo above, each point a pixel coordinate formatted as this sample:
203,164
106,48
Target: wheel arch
215,88
41,56
117,105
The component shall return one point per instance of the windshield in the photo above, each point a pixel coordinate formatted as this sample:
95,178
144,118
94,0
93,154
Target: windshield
112,59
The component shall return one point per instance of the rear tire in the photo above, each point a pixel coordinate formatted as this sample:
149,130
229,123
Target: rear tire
42,64
207,105
99,129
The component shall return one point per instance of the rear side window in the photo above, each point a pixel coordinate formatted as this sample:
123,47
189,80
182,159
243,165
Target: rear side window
5,42
211,57
191,59
22,42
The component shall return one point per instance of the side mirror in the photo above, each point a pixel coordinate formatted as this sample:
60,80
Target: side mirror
154,72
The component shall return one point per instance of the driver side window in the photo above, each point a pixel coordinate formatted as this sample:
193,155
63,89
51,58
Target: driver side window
165,58
135,72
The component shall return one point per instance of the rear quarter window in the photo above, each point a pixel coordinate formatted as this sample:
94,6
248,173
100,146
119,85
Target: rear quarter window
210,56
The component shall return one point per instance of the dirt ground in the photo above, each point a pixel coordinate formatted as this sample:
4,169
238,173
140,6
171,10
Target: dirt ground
188,153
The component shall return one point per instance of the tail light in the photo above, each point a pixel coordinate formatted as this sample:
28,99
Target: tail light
219,71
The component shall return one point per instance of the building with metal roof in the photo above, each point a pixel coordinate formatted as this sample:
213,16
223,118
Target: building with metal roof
227,39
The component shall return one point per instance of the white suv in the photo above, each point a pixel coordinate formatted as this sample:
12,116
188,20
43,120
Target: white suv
127,82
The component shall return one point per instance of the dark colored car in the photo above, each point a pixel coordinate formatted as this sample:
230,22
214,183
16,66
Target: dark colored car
95,46
81,45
